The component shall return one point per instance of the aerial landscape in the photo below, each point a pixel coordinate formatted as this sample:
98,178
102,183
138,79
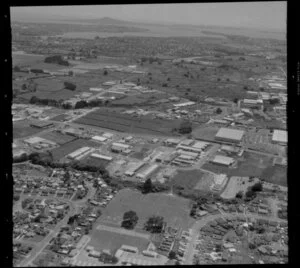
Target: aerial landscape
138,142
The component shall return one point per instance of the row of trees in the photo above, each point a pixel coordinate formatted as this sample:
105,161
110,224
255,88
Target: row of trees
57,59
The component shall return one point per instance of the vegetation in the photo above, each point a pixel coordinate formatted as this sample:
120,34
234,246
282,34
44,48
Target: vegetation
69,85
185,127
257,187
218,110
154,224
130,220
147,187
57,59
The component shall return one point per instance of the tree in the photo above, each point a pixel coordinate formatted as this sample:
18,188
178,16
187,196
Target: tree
235,100
24,87
70,73
172,255
154,224
257,187
239,195
130,219
250,194
274,101
147,187
80,104
17,68
185,127
105,72
218,110
69,85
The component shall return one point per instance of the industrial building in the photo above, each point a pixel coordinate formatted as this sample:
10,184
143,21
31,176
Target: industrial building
219,182
42,124
188,103
230,135
130,172
191,154
172,142
223,160
119,147
280,137
189,149
200,145
187,142
102,157
99,138
143,175
78,152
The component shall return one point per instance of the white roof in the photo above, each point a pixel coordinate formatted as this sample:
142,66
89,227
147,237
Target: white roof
200,144
79,151
232,134
100,156
147,171
117,144
34,140
220,159
108,135
184,104
280,136
99,138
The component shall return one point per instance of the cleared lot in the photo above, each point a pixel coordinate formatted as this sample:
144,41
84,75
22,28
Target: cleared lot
22,129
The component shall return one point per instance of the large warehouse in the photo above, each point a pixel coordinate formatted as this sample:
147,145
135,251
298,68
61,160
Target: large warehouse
280,136
223,160
230,135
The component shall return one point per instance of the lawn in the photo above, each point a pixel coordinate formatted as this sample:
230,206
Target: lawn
175,210
187,178
109,240
205,133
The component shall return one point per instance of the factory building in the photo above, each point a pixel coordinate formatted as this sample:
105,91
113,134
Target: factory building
187,142
119,147
191,154
280,137
78,152
230,135
201,145
143,175
42,124
189,149
102,157
223,160
172,142
188,103
130,172
99,138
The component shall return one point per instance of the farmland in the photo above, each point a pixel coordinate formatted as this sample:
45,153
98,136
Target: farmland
276,175
22,129
205,133
113,120
175,210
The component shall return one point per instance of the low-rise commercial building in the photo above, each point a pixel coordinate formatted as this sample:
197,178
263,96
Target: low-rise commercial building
99,138
147,172
230,135
119,147
223,160
102,157
130,172
280,137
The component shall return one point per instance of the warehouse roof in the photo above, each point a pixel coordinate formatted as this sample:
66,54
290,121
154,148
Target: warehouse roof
232,134
280,136
99,138
220,159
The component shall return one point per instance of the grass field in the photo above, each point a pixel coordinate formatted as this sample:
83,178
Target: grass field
107,118
57,137
95,162
22,129
26,59
205,133
276,175
112,241
187,178
70,147
140,154
59,118
175,210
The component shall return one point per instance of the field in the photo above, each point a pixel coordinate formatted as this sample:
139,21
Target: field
26,59
57,137
59,118
95,162
250,164
109,119
141,153
205,133
187,178
112,241
22,129
276,175
235,185
175,210
70,147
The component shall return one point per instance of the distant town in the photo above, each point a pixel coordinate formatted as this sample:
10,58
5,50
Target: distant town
143,149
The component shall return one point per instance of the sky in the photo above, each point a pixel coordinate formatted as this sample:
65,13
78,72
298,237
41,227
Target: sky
261,15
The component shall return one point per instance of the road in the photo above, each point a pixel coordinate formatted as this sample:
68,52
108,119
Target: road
74,208
40,246
188,257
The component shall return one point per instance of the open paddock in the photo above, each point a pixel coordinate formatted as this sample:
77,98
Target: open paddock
205,133
107,118
276,175
22,129
175,210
